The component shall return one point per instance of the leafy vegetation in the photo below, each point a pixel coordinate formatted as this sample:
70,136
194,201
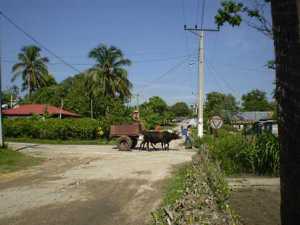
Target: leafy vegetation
256,100
54,129
12,160
197,194
181,109
244,154
155,112
176,184
32,69
220,104
108,75
235,12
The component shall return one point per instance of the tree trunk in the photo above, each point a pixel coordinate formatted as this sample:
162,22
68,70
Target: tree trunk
285,15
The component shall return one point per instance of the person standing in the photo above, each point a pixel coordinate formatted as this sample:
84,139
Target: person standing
188,140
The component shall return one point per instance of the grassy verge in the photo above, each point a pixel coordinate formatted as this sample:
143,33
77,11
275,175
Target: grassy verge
197,194
65,142
176,184
11,161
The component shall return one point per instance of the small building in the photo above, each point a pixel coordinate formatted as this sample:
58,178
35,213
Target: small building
28,110
242,119
255,121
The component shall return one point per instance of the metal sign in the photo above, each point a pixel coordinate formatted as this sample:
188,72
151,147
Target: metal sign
216,122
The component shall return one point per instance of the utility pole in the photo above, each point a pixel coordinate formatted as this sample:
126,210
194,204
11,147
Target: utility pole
200,32
138,102
1,133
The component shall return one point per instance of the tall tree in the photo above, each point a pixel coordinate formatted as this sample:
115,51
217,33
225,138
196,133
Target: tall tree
109,73
32,69
256,100
181,109
286,20
220,104
286,34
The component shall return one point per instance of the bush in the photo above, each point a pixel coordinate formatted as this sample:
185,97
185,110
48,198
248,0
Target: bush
65,129
266,158
202,196
244,154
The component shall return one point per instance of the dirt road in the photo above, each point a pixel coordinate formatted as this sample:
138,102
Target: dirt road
86,185
256,200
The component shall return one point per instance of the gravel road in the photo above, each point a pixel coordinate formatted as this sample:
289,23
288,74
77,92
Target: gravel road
86,185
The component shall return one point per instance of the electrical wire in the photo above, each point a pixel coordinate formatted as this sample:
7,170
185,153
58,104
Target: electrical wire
223,79
163,75
38,42
92,64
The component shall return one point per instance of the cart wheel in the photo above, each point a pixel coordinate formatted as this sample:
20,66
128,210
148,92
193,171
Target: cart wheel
134,142
124,143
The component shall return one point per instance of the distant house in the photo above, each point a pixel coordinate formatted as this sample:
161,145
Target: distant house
28,110
259,121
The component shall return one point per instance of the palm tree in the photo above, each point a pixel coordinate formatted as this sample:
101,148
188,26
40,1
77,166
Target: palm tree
109,74
32,68
286,21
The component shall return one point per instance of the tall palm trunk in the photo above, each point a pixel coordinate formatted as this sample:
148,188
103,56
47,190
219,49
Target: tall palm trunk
285,15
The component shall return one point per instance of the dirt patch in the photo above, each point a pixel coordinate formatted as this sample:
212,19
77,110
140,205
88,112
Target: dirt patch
86,185
256,200
113,202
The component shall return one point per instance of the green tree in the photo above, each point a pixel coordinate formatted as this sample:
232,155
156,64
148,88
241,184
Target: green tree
155,112
256,100
181,109
157,105
32,69
220,104
109,76
254,15
52,95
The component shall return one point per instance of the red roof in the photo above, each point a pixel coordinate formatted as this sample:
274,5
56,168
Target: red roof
38,109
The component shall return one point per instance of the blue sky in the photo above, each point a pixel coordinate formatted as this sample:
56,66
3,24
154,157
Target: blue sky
151,34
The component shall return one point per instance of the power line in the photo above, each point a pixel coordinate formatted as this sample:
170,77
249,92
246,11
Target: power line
173,68
223,79
37,42
92,64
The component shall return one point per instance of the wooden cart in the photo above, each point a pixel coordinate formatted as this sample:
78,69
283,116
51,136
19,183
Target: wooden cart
127,135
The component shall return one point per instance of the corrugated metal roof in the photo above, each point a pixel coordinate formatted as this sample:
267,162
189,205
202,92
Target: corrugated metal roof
252,116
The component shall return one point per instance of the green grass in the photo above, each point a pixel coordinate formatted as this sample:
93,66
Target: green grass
175,186
65,142
11,161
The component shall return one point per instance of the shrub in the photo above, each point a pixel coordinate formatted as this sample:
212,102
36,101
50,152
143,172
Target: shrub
52,128
266,158
244,154
201,198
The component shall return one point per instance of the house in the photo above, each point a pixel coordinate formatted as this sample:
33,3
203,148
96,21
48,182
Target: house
28,110
242,119
257,121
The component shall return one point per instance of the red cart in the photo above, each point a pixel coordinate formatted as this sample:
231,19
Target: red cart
127,135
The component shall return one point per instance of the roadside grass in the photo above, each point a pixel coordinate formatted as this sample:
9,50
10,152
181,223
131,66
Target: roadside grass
197,193
175,186
64,142
11,161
